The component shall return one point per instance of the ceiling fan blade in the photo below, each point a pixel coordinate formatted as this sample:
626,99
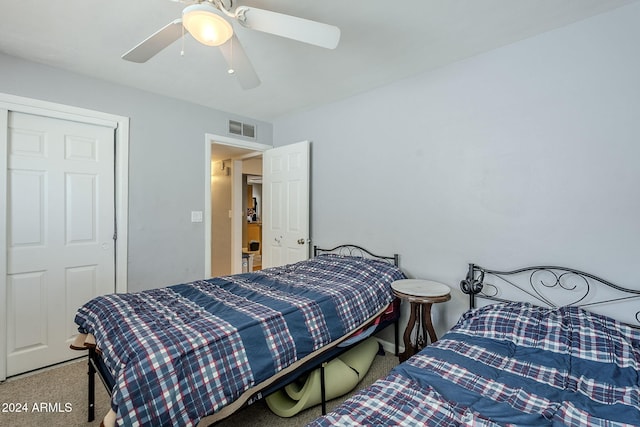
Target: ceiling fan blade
239,62
292,27
155,43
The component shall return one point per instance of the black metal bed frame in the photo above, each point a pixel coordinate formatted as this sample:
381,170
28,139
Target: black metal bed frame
357,251
96,365
544,284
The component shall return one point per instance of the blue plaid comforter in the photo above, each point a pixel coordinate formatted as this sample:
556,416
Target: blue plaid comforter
183,352
510,364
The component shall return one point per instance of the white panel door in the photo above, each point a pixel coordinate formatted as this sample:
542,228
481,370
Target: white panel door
60,230
285,217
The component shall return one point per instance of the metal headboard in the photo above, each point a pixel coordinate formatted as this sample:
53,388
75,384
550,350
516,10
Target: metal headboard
357,251
550,286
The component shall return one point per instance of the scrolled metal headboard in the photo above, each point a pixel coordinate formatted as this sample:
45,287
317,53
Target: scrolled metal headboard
357,251
550,286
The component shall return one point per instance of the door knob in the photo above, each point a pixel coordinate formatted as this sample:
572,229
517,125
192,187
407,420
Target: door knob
301,241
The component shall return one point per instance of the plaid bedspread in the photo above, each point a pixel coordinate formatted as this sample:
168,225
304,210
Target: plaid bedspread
510,364
183,352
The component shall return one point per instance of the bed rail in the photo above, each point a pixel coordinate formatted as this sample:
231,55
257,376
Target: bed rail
550,286
357,251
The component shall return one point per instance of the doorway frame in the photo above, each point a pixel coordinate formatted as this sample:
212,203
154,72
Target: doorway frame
236,225
121,175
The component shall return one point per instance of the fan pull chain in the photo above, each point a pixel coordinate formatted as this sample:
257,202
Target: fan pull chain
182,41
231,70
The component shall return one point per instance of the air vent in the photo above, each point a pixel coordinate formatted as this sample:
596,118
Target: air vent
242,129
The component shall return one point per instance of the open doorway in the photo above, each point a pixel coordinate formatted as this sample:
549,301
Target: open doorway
252,206
231,242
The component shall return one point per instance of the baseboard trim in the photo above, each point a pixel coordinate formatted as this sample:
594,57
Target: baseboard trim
389,346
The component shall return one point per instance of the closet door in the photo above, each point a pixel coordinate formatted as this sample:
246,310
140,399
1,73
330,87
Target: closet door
60,233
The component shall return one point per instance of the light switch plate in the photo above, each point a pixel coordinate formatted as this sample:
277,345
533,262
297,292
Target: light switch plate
196,216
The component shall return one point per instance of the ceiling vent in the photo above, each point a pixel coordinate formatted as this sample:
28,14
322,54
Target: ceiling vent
242,129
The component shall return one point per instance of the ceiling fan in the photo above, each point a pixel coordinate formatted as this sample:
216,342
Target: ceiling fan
208,22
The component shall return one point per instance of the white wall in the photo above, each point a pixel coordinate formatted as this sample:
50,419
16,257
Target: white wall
525,155
166,161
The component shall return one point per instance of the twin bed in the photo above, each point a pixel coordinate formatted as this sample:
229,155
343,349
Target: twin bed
530,363
197,352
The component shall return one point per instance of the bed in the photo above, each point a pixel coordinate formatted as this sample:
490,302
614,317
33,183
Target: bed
526,362
196,352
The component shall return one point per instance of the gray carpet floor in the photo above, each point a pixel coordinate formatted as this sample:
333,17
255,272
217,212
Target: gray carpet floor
56,397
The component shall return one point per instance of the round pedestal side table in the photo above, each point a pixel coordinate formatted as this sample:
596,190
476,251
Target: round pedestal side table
421,295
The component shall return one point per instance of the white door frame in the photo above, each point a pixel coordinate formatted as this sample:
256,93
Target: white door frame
236,238
64,112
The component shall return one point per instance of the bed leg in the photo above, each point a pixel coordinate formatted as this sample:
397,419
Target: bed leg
396,327
91,397
323,394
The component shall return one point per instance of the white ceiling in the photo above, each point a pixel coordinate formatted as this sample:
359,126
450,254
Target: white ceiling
381,42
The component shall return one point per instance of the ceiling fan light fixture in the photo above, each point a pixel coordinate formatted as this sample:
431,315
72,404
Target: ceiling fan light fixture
205,25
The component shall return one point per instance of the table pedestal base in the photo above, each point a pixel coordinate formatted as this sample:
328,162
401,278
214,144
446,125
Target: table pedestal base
420,318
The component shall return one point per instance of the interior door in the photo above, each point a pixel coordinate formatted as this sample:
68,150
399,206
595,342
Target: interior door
60,233
285,219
